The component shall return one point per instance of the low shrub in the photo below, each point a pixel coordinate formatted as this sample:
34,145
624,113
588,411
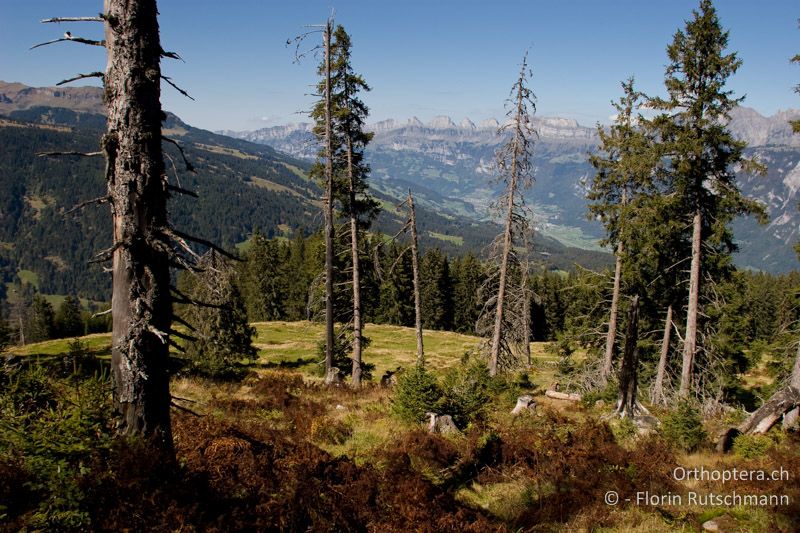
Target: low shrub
417,392
751,446
683,427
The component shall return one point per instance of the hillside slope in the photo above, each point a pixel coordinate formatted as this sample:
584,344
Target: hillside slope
241,187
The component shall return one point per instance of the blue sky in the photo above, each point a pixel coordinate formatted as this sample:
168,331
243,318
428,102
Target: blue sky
422,58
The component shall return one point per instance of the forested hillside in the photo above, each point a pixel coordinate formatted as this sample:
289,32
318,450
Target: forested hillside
240,187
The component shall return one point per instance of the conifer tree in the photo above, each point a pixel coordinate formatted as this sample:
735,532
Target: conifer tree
436,291
222,335
515,167
625,167
68,319
349,114
702,154
468,277
262,279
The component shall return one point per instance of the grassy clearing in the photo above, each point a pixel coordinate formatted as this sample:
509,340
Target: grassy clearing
458,241
550,468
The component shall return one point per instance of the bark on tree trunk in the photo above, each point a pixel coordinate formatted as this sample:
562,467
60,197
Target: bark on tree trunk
608,358
630,361
526,315
690,343
356,376
329,336
658,387
415,272
141,301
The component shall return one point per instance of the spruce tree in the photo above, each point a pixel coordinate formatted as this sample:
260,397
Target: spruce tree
68,319
625,165
222,333
349,114
40,321
468,277
436,291
262,280
702,154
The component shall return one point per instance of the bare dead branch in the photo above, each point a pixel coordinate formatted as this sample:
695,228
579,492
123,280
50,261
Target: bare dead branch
98,74
186,162
101,313
98,201
183,322
174,86
106,254
63,154
171,55
205,243
99,18
80,40
181,298
185,410
181,190
183,336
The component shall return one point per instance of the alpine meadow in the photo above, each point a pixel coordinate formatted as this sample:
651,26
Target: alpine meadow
254,277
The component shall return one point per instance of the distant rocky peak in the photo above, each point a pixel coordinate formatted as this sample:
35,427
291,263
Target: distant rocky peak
467,124
441,122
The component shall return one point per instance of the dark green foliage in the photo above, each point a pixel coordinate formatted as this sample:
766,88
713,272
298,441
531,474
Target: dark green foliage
468,277
39,320
417,392
683,427
262,279
68,318
222,334
396,303
50,431
436,291
752,446
466,391
342,350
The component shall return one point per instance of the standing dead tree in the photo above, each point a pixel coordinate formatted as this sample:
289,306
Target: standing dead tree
658,396
144,244
412,224
514,161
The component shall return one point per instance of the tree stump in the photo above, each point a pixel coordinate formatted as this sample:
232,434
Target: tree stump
441,424
525,404
333,377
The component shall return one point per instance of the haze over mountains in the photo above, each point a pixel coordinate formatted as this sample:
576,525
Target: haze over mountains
450,166
241,187
448,163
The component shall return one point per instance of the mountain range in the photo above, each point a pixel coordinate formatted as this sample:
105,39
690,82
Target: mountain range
241,187
450,166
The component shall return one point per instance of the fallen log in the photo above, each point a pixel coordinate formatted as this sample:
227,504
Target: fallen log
569,396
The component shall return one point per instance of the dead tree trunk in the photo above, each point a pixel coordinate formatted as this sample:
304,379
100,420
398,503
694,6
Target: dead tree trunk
658,387
415,271
690,343
627,403
141,301
783,403
357,326
328,204
611,336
